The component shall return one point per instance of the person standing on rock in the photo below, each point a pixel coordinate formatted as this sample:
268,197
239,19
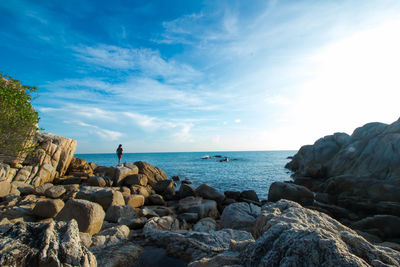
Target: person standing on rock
119,154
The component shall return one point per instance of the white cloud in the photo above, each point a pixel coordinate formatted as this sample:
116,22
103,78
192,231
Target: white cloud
103,133
237,121
148,61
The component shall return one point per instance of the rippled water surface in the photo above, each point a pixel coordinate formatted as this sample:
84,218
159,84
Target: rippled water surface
245,169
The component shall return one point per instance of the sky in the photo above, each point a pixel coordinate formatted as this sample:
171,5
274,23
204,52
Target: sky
176,76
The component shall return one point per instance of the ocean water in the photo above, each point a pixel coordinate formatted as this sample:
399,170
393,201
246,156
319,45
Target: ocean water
245,170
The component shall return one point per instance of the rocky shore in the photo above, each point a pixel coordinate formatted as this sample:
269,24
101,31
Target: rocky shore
58,210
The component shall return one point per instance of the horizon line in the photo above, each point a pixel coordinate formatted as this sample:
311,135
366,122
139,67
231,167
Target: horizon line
209,151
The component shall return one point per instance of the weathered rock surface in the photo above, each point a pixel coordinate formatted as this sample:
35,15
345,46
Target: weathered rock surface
122,172
290,235
111,235
44,244
89,215
373,150
161,223
106,197
290,191
186,190
165,188
136,179
5,188
135,201
79,167
189,246
115,213
153,174
117,254
205,225
240,216
48,208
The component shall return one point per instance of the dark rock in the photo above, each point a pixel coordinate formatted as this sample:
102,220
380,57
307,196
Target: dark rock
250,195
233,195
186,191
208,192
290,191
188,217
176,178
166,188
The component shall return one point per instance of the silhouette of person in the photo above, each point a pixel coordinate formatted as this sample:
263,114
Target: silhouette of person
119,154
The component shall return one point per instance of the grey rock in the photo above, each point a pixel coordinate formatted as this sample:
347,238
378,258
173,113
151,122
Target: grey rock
136,179
114,213
205,225
161,223
203,207
111,235
44,244
240,215
188,217
290,235
190,246
117,254
121,172
156,199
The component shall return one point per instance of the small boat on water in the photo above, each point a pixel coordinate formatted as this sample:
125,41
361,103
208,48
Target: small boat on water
206,157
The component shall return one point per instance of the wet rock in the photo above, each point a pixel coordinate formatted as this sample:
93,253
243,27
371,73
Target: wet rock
240,216
290,191
44,244
48,208
89,215
291,235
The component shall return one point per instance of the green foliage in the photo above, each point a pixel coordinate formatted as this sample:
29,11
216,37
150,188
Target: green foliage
18,119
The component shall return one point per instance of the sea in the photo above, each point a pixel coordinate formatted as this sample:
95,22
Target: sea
244,170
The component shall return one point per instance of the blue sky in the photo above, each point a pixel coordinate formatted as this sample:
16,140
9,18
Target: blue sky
204,75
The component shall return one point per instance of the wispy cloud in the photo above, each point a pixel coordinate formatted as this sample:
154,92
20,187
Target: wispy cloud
103,133
149,62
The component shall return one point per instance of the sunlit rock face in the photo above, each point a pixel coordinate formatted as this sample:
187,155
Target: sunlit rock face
373,150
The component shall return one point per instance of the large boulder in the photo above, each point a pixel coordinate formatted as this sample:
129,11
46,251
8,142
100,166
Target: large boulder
241,216
48,208
290,235
111,235
106,197
116,213
373,150
386,225
122,172
44,244
153,174
89,215
290,191
117,254
161,223
50,159
208,192
186,190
